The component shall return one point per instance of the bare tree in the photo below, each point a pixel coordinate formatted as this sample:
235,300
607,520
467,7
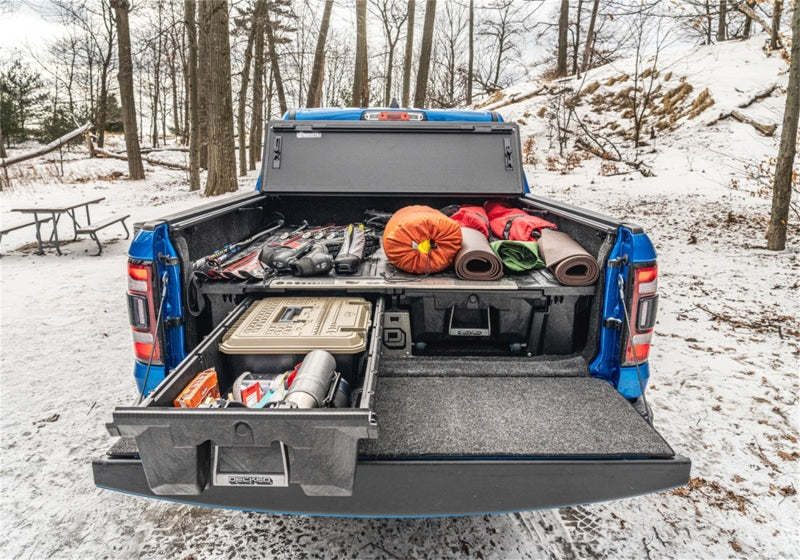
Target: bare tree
748,22
216,70
242,106
645,70
194,117
125,75
425,54
315,83
392,15
784,168
722,25
339,63
471,55
409,55
93,43
777,12
3,153
563,24
445,91
576,40
259,75
502,25
588,48
271,22
361,72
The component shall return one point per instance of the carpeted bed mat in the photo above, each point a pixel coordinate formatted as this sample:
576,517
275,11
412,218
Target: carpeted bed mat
428,366
509,416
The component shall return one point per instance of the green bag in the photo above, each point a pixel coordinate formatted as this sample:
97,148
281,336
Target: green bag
518,255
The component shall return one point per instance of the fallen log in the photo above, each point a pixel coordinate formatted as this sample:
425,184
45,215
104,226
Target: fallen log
47,148
517,98
99,152
758,97
765,129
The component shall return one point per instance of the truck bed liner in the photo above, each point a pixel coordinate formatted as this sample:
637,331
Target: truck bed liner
480,366
442,417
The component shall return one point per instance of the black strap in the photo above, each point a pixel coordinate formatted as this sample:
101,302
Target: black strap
507,229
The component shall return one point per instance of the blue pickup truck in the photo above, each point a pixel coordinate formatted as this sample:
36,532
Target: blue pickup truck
543,406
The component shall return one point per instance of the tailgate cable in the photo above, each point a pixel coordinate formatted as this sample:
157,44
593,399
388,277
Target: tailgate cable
621,285
164,280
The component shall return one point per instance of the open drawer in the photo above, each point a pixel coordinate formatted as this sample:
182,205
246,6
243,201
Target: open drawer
431,433
183,450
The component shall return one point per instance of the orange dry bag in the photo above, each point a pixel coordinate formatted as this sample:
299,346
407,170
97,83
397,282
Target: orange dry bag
421,240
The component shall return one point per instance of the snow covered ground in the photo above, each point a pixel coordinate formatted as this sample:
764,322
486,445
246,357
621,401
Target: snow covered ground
724,362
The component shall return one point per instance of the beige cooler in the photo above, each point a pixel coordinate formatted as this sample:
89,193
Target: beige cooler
297,325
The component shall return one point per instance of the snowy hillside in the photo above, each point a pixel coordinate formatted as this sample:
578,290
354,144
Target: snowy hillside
724,384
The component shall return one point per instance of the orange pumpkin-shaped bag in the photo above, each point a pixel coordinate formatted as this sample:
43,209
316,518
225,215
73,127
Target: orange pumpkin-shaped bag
421,240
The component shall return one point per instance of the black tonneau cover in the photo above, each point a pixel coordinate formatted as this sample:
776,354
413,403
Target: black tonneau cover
367,157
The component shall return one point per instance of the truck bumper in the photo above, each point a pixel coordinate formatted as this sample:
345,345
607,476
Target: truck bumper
433,487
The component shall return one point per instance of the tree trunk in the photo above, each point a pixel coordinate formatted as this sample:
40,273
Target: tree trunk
563,23
471,51
156,79
775,39
361,56
173,76
256,124
782,187
577,43
409,53
217,70
315,83
270,86
240,115
747,10
722,23
389,64
202,85
748,21
102,110
194,114
125,75
587,50
273,57
709,22
425,54
3,153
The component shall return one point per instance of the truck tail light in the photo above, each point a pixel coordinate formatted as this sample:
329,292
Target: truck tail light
141,312
393,116
643,308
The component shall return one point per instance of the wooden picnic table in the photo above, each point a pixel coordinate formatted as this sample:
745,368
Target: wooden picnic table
56,212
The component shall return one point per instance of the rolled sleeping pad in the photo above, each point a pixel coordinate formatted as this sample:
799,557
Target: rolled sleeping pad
472,217
518,256
571,264
421,240
476,260
313,380
513,223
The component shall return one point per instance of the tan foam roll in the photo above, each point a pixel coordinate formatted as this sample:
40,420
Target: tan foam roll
570,263
476,260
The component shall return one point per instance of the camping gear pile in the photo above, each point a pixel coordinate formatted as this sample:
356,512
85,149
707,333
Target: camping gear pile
479,242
